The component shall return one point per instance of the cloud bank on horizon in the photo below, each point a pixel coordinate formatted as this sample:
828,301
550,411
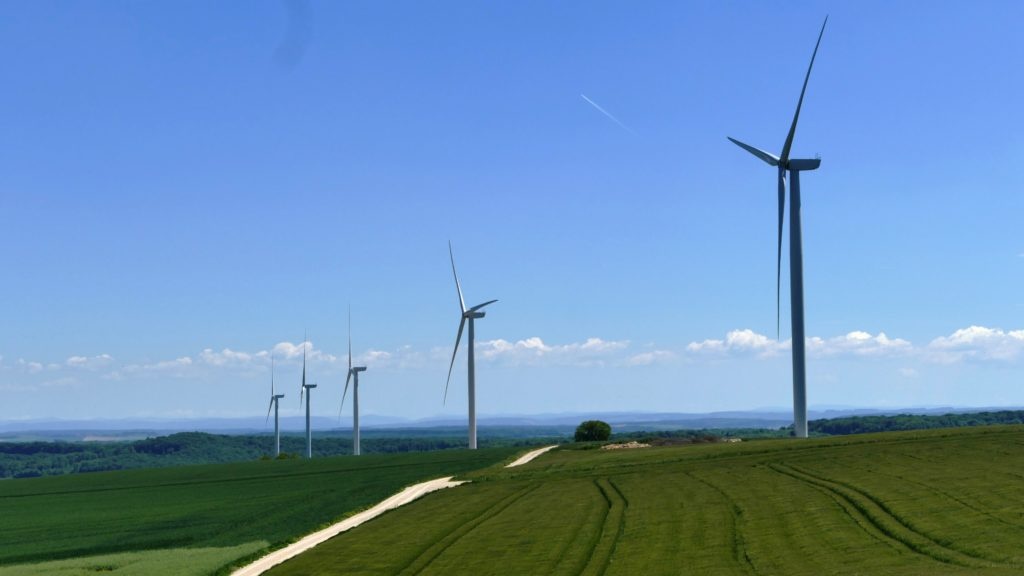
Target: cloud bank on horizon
973,345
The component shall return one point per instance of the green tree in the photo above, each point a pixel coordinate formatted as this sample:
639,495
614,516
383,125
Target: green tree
592,430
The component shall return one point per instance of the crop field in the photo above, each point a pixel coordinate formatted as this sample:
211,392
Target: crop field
927,503
198,519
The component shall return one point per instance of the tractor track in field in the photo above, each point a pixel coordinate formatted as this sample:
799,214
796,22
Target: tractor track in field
739,543
886,522
603,547
952,497
435,550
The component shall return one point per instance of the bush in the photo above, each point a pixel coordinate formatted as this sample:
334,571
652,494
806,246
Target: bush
592,430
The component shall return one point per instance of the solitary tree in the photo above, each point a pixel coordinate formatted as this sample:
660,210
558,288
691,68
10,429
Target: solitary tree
591,430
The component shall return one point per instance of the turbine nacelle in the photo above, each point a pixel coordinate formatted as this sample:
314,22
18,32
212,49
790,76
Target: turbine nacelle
475,311
358,368
804,165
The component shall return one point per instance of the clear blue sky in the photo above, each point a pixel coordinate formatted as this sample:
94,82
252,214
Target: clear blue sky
188,186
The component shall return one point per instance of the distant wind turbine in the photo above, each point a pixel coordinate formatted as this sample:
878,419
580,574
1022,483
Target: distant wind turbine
306,389
353,375
467,315
274,401
796,266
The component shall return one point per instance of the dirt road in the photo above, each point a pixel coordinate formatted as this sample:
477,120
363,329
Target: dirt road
530,456
404,497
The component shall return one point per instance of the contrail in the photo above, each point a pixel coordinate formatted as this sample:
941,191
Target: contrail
608,114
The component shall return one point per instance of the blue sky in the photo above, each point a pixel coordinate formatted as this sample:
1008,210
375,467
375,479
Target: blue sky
187,187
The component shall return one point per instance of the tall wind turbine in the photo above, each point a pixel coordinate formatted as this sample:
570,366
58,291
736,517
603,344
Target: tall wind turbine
796,265
353,375
470,315
306,389
274,400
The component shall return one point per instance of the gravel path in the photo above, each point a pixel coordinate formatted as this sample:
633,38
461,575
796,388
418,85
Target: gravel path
530,456
404,497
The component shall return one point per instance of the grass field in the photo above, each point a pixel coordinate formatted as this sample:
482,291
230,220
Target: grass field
197,519
934,502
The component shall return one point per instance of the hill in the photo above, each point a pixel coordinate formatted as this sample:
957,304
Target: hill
56,457
196,519
926,502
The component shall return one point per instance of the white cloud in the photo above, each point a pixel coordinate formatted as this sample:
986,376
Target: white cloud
290,351
176,367
747,342
533,350
744,341
89,363
977,343
224,357
860,344
372,356
31,367
181,362
908,373
652,357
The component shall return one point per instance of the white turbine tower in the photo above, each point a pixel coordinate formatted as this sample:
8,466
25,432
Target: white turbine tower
306,389
467,315
796,258
353,375
274,401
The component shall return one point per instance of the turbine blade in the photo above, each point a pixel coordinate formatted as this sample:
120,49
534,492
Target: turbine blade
301,391
343,394
778,269
792,129
271,375
350,337
303,360
462,302
268,410
479,306
458,338
768,157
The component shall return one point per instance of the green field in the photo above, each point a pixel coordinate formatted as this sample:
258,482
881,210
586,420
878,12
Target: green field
932,502
197,519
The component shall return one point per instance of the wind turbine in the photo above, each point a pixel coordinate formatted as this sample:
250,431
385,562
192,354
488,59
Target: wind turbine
353,375
470,315
274,401
796,267
307,390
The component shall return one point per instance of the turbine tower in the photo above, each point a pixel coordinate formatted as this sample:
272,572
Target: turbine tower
470,315
274,401
353,375
796,267
306,389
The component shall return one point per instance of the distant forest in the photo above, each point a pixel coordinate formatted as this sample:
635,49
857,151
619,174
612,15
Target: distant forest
32,459
865,424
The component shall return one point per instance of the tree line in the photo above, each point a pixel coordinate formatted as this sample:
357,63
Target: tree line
32,459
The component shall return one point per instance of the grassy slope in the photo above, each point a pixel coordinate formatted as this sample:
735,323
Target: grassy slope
215,506
934,502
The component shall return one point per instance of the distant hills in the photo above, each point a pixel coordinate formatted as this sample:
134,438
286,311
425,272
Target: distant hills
103,429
